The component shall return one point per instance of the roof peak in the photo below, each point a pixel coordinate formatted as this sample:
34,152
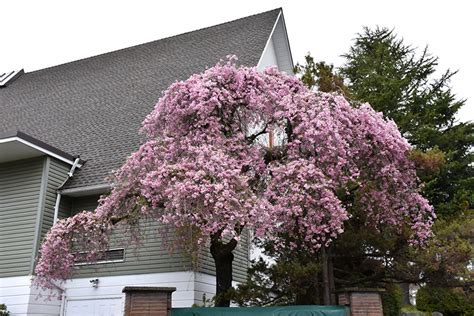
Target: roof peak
161,39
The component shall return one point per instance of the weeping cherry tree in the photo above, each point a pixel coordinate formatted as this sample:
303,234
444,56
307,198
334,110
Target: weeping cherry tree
206,165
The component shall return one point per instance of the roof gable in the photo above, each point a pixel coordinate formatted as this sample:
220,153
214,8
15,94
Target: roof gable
277,50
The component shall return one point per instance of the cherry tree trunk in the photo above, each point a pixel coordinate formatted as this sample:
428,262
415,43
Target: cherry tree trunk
223,257
332,284
325,274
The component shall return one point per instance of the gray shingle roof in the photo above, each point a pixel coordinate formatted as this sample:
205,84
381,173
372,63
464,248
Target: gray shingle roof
93,107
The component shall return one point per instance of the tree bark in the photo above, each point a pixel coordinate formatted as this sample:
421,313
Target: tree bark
317,289
223,257
325,270
332,284
405,288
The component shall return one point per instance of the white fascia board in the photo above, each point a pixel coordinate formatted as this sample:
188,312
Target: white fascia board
41,149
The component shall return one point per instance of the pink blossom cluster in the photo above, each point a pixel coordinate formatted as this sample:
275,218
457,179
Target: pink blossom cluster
338,153
202,167
84,231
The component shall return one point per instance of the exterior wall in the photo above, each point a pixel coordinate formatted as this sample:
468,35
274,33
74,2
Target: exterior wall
189,286
84,203
27,196
152,256
277,51
57,173
204,287
269,57
22,298
282,48
64,207
149,257
20,195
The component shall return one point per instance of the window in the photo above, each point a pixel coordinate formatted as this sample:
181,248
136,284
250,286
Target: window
109,256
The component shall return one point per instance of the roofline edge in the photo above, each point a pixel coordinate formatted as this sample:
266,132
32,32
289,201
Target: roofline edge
87,190
38,145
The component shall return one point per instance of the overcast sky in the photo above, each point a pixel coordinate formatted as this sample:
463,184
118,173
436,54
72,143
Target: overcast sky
39,34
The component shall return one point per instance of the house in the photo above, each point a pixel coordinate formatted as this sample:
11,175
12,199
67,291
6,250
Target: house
63,129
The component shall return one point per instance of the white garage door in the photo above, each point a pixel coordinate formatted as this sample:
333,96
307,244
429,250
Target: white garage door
94,307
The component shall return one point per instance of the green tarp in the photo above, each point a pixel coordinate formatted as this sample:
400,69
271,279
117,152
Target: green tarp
306,310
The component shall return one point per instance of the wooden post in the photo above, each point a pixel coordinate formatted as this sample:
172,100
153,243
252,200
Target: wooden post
147,301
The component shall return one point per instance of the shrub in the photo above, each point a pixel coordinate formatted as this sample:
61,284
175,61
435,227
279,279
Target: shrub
448,301
3,310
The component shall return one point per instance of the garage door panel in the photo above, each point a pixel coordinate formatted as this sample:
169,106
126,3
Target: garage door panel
104,308
94,307
78,308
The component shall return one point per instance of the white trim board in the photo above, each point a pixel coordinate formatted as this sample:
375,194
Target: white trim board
41,149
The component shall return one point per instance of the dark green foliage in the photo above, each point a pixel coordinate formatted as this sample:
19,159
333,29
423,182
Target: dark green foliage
400,82
392,300
288,282
448,301
322,76
3,310
445,258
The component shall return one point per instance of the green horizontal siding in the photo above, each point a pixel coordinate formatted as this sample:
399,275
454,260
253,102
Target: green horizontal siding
64,207
54,174
85,203
152,256
20,186
149,257
27,210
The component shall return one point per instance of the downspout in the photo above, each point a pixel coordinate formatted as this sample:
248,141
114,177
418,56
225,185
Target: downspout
58,190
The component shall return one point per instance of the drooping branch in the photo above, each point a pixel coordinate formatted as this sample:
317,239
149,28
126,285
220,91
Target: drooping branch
253,137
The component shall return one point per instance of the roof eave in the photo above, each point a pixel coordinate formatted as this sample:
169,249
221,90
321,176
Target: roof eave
37,145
